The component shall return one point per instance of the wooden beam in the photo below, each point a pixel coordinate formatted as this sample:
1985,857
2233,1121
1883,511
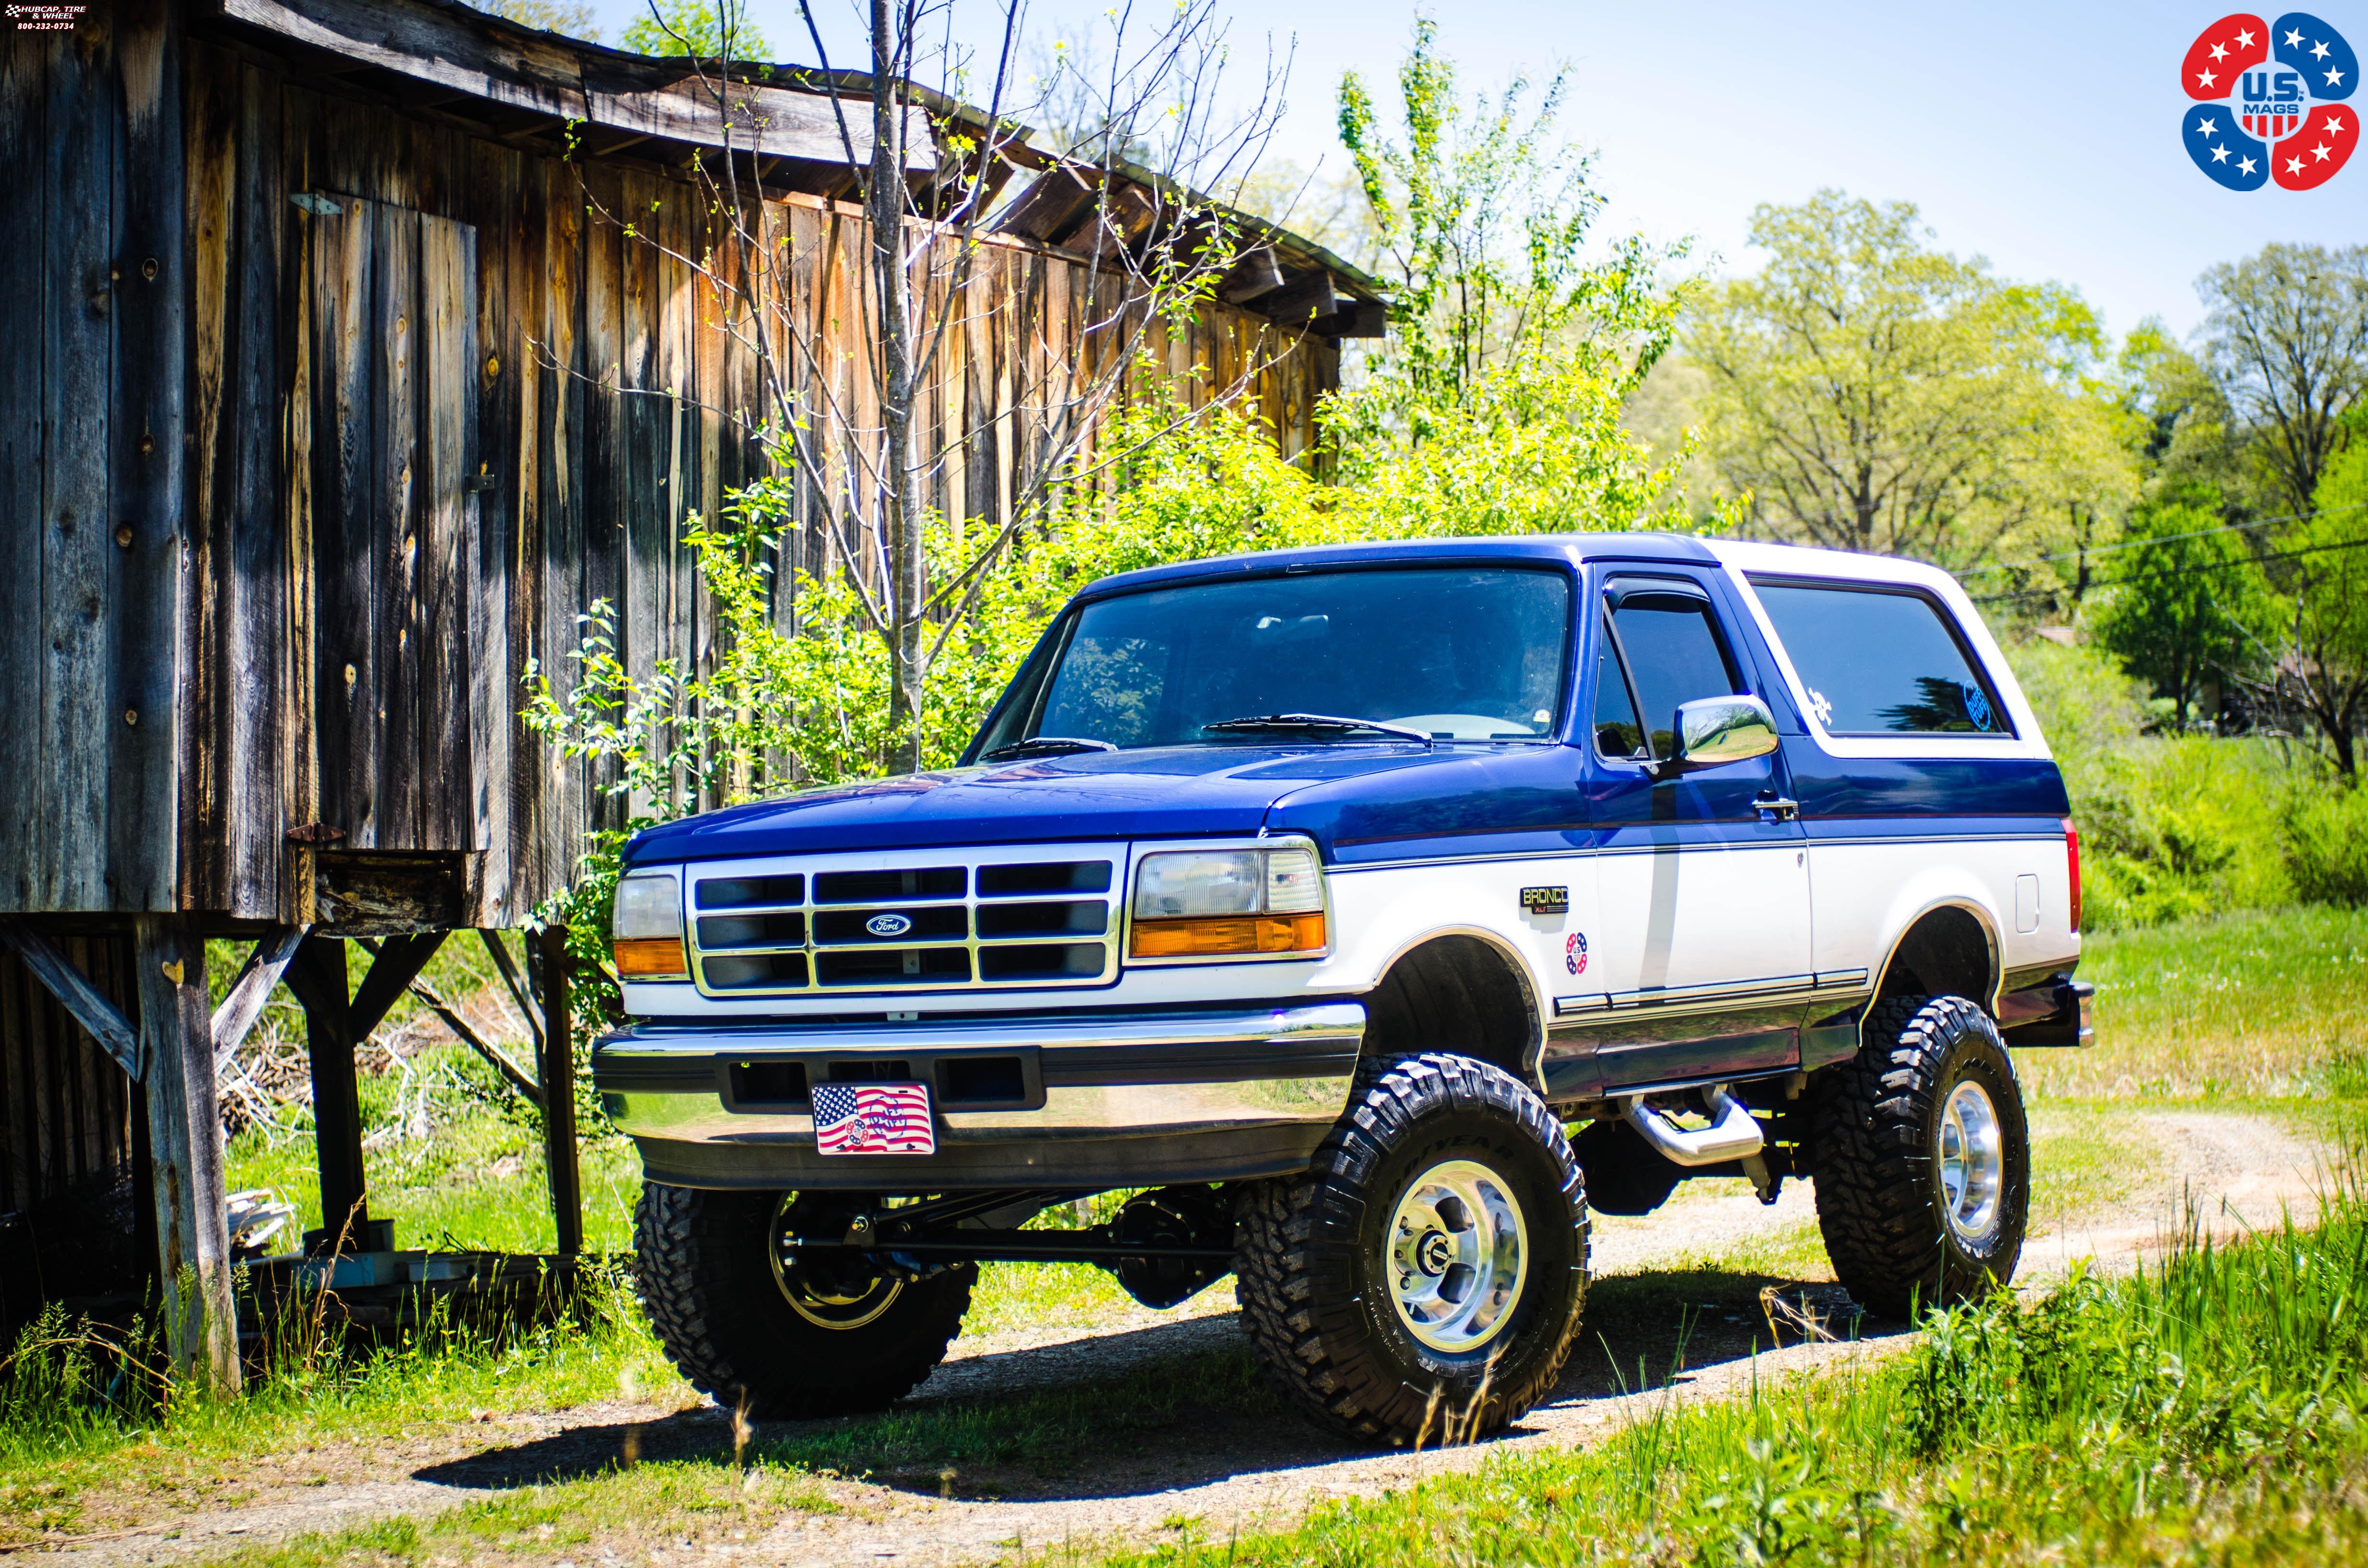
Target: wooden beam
559,1092
1256,274
1300,301
530,1091
318,978
486,59
394,964
251,989
527,1006
89,1007
1048,207
1355,318
186,1152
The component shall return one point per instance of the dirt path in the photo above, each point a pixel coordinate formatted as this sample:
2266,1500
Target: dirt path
1229,1473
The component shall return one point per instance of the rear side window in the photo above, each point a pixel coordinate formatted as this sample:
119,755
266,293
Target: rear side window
1673,656
1881,662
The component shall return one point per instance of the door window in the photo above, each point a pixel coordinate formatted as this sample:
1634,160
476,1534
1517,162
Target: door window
1666,647
1881,662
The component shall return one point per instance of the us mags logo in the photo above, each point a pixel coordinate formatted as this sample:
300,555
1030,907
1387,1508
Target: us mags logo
2272,101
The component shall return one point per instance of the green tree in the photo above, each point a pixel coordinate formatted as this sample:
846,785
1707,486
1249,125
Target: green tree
2324,670
1494,404
1868,391
706,29
2188,436
2188,604
2287,339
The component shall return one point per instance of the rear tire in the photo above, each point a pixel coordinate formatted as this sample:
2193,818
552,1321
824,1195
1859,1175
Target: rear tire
1422,1282
783,1343
1923,1158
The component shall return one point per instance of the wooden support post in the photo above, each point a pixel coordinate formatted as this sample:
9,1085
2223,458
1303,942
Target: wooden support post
318,978
177,1049
559,1092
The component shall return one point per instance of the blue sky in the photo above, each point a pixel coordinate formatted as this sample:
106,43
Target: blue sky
2042,136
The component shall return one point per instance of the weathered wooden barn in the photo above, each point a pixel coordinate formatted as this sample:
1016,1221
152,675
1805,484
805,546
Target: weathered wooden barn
336,390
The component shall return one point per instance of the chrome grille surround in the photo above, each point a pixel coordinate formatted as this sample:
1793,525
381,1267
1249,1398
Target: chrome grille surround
907,922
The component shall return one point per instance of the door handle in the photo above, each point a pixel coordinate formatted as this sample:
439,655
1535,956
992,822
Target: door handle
1772,807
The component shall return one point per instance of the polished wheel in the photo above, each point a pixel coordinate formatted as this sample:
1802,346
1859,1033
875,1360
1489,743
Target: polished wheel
1459,1250
838,1293
1973,1162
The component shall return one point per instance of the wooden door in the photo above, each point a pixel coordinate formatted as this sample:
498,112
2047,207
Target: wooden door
387,441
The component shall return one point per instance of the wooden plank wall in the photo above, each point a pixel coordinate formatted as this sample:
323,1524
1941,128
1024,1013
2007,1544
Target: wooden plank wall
91,347
327,523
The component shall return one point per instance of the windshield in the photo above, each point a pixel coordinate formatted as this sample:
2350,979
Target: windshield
1462,654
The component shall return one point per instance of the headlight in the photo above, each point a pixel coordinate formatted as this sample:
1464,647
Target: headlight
1198,904
647,929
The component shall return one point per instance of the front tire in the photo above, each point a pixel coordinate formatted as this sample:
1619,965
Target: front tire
784,1341
1923,1158
1422,1282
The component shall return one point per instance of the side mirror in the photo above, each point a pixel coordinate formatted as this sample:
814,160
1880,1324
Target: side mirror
1717,729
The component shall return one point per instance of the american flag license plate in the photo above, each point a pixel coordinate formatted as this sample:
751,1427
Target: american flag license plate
873,1118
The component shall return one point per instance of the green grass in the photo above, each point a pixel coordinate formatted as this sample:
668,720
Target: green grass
2246,1009
696,1503
2211,1408
2243,1013
474,1179
85,1440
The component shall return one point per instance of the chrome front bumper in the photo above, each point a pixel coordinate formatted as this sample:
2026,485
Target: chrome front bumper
1086,1099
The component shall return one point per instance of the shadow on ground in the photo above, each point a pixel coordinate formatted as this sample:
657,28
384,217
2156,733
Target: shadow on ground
1178,1405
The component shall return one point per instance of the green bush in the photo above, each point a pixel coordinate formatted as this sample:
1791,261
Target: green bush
2171,827
2326,845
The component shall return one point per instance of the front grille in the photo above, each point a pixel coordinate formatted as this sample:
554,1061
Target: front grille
1037,919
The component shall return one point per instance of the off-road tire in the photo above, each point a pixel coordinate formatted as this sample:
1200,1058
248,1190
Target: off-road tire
707,1282
1315,1297
1875,1147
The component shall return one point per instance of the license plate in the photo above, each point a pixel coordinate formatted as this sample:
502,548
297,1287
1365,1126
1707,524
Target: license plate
873,1118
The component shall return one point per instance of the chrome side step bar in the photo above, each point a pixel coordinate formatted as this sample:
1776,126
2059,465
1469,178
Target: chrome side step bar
1732,1134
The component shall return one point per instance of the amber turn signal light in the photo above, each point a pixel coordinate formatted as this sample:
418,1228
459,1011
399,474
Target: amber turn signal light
1214,937
650,958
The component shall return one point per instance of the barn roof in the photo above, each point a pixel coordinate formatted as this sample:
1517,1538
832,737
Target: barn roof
518,83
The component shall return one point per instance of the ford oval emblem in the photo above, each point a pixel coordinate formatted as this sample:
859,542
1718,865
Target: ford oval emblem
889,925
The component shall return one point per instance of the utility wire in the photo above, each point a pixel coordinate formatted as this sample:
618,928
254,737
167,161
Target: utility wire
2172,538
2181,572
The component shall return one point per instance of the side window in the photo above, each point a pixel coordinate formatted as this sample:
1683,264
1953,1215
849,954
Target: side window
1672,654
1881,661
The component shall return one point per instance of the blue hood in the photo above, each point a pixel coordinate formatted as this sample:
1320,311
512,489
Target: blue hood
1159,793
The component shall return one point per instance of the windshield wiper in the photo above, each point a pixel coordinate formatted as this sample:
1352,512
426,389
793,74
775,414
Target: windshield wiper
1311,724
1046,745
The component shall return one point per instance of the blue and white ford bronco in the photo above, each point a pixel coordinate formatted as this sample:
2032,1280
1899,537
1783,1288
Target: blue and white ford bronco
1364,914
